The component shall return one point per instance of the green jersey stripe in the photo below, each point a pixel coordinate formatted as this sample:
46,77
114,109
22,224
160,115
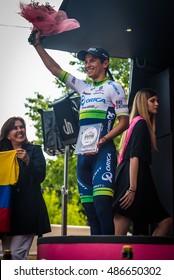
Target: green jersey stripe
96,114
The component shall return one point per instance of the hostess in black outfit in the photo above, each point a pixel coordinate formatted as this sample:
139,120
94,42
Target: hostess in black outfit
146,207
29,215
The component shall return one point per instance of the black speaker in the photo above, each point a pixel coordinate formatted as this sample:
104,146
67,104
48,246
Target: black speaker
66,111
51,136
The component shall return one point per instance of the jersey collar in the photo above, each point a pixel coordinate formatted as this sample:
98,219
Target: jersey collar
99,83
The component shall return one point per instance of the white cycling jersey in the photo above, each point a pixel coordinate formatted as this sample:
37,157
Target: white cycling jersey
100,101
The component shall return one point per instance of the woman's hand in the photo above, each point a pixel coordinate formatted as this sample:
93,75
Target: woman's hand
127,200
22,154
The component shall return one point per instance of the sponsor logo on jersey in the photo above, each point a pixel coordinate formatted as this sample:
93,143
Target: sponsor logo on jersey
92,100
109,126
108,162
99,91
73,80
90,106
114,86
110,115
107,176
86,93
120,105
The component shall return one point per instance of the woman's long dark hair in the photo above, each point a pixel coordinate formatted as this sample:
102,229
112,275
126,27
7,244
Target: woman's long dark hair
5,143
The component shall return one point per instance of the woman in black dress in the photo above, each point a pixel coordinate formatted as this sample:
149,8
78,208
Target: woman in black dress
136,199
29,215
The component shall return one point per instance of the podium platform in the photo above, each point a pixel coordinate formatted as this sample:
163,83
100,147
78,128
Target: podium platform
104,247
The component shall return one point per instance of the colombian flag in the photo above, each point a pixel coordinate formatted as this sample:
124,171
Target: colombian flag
9,172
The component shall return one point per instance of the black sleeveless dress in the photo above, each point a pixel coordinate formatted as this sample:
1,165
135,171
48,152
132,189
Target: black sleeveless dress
146,207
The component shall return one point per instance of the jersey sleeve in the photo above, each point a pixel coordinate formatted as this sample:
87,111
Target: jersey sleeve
72,82
63,76
118,97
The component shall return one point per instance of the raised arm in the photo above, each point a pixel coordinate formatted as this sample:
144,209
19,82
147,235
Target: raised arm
50,63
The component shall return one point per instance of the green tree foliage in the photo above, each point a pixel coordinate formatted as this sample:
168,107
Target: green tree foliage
55,166
32,106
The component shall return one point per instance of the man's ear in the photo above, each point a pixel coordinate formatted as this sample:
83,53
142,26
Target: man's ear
106,63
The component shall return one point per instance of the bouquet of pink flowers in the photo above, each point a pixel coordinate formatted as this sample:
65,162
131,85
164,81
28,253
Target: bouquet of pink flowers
45,19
